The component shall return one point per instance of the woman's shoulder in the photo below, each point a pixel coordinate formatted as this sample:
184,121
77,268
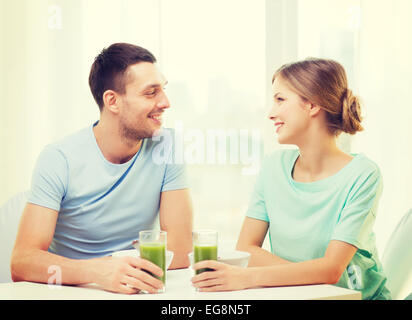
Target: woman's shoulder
365,165
279,159
364,174
282,155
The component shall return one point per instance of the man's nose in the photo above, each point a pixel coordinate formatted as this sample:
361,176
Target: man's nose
163,101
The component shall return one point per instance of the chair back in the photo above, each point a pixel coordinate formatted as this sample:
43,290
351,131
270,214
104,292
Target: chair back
397,259
10,214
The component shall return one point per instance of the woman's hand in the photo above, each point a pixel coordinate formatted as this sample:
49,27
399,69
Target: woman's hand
224,277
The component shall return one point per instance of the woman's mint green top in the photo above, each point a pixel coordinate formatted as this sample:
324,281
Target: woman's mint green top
304,217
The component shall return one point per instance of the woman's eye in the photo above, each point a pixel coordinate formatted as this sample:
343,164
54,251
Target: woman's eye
279,99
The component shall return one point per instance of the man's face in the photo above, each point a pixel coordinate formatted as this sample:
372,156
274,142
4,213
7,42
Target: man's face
143,103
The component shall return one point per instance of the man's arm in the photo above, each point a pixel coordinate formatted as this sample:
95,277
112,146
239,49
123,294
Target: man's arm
251,239
31,260
176,217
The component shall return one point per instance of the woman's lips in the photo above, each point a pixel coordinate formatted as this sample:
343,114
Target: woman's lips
278,125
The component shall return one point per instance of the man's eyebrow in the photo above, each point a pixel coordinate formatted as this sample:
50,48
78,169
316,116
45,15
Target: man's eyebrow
155,85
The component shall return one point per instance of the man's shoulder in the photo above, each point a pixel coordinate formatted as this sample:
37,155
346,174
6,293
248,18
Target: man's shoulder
165,139
62,150
73,142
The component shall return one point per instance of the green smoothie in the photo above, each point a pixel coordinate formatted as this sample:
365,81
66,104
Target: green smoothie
204,252
156,253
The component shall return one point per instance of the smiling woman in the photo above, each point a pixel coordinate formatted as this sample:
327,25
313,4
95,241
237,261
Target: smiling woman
329,197
324,83
318,81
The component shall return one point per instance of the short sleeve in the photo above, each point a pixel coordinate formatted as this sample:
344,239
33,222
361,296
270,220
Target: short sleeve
257,206
356,220
175,176
49,180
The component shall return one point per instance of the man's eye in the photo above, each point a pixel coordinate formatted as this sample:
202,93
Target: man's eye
151,93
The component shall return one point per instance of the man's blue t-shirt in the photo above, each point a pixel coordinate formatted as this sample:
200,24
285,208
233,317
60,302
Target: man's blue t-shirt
102,206
304,217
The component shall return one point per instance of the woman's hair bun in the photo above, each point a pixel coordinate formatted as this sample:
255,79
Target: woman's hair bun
351,113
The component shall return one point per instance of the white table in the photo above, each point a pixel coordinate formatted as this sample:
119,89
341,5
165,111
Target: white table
178,287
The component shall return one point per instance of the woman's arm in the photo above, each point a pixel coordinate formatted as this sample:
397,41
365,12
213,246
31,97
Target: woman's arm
251,239
327,269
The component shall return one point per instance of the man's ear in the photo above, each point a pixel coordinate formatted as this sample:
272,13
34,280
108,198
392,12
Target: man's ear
110,100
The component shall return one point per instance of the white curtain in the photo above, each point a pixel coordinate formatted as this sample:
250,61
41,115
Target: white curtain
219,57
211,52
372,39
385,84
47,48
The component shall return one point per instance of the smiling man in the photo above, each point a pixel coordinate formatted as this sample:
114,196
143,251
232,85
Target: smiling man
93,191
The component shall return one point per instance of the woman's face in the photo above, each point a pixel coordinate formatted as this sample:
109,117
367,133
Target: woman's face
289,113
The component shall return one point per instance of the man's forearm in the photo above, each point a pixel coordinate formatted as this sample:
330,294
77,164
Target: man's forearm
41,266
180,261
181,245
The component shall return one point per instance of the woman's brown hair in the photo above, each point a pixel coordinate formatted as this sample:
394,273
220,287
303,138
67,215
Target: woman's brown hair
324,83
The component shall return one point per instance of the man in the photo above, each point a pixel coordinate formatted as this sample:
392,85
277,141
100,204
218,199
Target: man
93,191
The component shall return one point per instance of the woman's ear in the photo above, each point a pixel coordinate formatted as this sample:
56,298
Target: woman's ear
110,100
314,110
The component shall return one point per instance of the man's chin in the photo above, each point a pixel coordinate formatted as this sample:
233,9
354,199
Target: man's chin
135,135
156,131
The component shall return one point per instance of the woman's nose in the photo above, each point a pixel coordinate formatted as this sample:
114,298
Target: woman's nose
272,112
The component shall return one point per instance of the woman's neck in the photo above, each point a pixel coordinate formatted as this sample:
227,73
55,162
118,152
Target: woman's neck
319,159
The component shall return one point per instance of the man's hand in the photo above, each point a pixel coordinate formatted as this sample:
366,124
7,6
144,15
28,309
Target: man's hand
127,275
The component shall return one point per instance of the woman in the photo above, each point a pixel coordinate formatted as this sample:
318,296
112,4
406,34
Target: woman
318,203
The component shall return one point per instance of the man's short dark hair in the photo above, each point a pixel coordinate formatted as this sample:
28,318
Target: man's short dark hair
107,71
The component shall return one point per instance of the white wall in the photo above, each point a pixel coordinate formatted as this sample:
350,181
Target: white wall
385,83
372,40
219,57
47,51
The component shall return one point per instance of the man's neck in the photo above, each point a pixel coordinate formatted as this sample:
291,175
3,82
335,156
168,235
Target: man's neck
111,144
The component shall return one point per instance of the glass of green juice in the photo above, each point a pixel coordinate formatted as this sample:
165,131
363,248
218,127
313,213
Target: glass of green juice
204,247
152,245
